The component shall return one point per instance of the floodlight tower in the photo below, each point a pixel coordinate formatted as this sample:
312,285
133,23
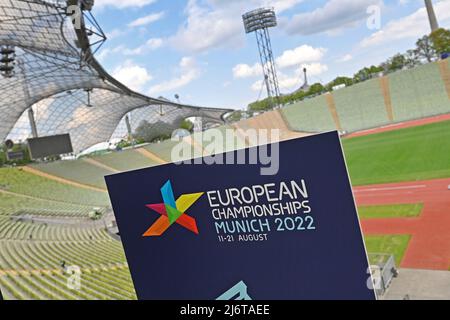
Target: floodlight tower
259,21
431,15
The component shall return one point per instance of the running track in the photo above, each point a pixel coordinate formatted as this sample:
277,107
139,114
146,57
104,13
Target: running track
403,125
429,247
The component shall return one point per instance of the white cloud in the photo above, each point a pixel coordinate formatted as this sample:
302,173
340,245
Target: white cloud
291,82
218,23
302,56
115,33
206,28
345,58
314,69
106,52
150,45
132,75
143,21
188,72
101,56
154,43
412,26
257,85
121,4
299,55
334,15
245,71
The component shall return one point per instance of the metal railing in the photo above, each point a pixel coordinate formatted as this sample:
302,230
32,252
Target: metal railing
383,270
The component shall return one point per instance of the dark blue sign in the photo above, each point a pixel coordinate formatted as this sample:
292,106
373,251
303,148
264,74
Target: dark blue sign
206,232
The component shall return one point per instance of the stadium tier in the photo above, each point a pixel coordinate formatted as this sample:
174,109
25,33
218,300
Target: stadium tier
405,95
163,150
419,93
311,115
269,121
45,230
218,140
238,141
25,183
123,160
79,171
15,204
101,284
174,151
361,106
12,229
36,271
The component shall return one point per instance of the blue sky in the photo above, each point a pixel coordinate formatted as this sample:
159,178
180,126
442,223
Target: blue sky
199,50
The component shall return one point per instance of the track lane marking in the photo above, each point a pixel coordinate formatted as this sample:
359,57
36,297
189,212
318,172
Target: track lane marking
391,188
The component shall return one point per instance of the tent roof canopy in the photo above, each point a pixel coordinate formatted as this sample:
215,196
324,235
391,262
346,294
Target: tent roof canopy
53,71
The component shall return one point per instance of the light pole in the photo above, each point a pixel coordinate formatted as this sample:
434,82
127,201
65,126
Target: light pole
259,21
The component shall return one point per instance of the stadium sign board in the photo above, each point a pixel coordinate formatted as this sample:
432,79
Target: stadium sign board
205,232
15,155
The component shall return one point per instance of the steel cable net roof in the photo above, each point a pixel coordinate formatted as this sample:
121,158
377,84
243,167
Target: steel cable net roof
50,68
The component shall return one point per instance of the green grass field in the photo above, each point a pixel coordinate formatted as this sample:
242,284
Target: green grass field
417,153
391,244
391,211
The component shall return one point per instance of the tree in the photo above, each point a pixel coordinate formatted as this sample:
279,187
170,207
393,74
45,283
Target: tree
235,116
187,125
425,49
339,81
397,62
2,157
260,106
145,131
299,95
316,88
150,132
366,73
441,41
412,58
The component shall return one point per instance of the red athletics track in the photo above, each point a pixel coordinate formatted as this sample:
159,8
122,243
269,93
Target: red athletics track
403,125
429,247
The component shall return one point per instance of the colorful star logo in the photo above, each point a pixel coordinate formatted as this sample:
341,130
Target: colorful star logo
172,211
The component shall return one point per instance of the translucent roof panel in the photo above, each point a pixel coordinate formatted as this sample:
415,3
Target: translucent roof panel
164,119
51,69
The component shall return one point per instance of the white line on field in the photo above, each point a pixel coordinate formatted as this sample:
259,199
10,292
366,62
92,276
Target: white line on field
391,188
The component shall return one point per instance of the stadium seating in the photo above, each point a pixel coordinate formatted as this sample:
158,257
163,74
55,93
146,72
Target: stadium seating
77,170
413,94
32,267
238,142
17,205
218,136
361,106
310,115
164,150
125,160
272,120
418,93
101,284
21,182
11,229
